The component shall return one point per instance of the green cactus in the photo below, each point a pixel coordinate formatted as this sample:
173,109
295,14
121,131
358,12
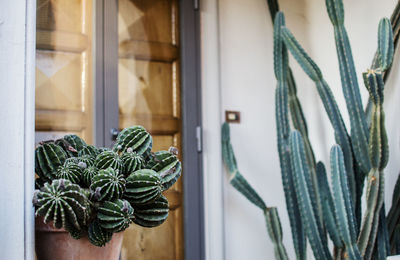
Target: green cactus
136,138
89,150
132,162
83,161
241,185
343,204
312,208
75,141
97,235
143,186
152,214
167,165
115,216
87,175
83,188
108,159
285,83
108,184
63,203
48,157
69,171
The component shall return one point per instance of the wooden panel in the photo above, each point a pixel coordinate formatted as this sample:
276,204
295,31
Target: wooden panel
145,88
64,67
156,125
141,50
146,20
61,41
50,120
58,81
63,15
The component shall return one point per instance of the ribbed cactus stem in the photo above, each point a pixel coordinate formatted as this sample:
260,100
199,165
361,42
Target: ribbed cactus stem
379,153
275,232
350,87
330,105
303,187
343,204
328,207
284,79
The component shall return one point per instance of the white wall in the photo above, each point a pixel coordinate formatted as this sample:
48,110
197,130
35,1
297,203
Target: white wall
17,113
246,83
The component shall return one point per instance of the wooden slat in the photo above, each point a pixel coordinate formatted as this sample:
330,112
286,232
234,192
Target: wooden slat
156,125
174,199
61,41
56,120
142,50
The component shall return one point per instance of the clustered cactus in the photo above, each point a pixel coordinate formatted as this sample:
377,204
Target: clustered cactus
359,158
98,191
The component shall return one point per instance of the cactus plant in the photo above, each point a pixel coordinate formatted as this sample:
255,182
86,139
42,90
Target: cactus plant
97,235
48,157
63,203
136,138
83,188
358,158
152,214
90,150
87,175
143,186
108,159
132,161
115,216
167,165
108,184
69,171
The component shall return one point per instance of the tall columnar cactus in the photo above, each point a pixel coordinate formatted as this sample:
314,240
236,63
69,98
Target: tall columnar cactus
357,158
94,192
240,183
63,203
136,138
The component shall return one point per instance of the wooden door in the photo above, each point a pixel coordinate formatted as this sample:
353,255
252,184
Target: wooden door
64,69
149,95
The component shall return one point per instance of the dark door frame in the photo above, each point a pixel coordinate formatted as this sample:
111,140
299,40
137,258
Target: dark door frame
107,114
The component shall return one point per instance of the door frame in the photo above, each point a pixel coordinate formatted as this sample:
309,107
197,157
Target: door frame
107,114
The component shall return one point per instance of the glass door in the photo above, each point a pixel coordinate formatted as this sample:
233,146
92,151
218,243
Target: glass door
149,95
64,92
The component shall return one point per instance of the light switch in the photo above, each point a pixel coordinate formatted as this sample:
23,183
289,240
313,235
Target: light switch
232,116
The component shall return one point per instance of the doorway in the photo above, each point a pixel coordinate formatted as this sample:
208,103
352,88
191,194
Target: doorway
108,64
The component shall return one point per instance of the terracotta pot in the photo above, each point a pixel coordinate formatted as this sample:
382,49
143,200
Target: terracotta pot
57,244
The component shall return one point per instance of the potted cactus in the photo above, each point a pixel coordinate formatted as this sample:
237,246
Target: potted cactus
87,196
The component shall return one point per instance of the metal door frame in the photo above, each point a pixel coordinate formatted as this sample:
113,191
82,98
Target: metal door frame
107,114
